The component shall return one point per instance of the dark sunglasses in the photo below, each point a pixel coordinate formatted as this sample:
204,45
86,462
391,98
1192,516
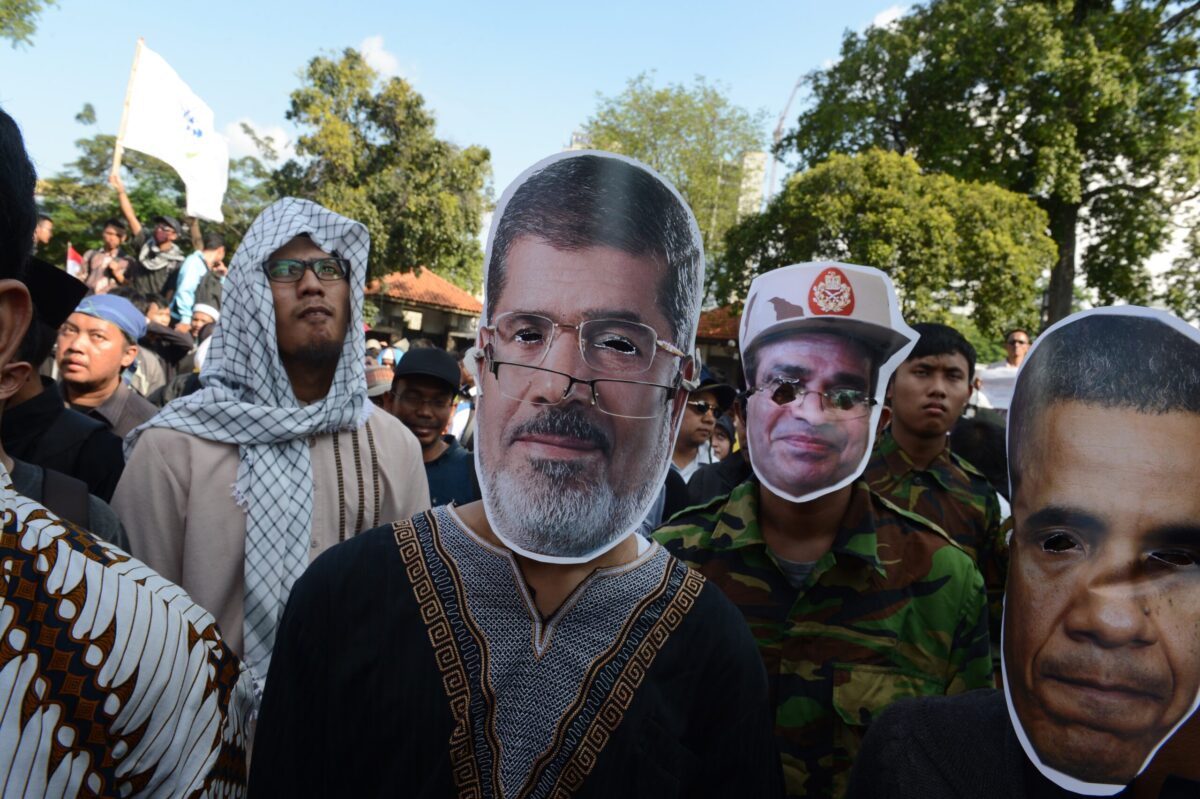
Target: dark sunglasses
701,407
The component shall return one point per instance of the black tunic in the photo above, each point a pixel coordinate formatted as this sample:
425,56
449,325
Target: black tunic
356,702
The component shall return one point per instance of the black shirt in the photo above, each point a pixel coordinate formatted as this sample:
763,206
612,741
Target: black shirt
43,431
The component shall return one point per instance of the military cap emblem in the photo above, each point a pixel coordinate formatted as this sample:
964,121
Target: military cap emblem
831,293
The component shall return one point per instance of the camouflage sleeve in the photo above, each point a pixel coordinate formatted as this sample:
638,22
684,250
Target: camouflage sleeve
970,662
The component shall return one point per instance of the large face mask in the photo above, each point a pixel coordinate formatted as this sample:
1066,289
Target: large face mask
819,342
1101,636
593,283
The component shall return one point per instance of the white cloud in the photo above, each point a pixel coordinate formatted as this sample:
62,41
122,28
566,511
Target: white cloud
886,17
378,58
240,143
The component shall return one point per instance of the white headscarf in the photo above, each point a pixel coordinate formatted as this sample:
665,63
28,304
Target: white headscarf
247,400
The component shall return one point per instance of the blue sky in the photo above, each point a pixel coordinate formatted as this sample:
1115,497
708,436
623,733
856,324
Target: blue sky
516,81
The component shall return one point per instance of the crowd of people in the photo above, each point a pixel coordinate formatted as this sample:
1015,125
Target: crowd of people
250,547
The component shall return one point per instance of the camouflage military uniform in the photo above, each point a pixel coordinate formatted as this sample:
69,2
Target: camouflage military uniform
892,610
960,502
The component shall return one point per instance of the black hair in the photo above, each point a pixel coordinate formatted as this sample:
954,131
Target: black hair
18,213
119,224
423,344
38,341
981,444
589,201
1008,334
1107,360
936,339
43,218
213,240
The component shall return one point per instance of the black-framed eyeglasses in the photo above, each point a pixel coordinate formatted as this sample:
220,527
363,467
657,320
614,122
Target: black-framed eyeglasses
413,401
613,346
629,399
701,407
290,270
838,403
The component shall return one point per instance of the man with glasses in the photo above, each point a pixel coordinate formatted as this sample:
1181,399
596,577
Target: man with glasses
423,394
533,644
159,257
693,444
997,380
232,490
854,601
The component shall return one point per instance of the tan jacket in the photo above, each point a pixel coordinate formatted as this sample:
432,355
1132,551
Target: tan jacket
175,499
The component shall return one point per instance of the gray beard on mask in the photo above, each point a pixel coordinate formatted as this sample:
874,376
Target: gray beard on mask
563,509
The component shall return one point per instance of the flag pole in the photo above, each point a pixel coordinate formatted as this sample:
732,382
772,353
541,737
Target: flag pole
119,150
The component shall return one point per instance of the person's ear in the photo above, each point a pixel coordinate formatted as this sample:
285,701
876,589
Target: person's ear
130,356
16,314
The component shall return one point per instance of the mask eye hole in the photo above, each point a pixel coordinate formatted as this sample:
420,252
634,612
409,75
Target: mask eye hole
1059,542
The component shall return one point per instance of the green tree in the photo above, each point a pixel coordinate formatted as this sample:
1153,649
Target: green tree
1089,107
1183,280
18,19
945,243
694,136
370,152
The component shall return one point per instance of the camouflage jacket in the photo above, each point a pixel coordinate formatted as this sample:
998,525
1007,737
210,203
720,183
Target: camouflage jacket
960,502
891,610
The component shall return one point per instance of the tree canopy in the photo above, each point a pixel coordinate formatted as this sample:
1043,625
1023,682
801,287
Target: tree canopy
18,19
370,152
1089,107
947,244
694,136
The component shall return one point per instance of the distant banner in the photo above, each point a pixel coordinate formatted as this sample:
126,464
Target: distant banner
167,120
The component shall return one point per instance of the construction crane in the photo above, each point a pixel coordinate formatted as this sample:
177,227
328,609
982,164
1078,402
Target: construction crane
777,136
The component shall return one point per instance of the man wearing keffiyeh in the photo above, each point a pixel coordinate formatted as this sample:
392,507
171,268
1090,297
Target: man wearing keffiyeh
231,491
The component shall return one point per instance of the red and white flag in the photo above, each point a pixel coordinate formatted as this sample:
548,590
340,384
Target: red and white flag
74,262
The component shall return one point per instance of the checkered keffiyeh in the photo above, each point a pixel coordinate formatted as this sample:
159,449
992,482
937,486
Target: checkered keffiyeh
247,400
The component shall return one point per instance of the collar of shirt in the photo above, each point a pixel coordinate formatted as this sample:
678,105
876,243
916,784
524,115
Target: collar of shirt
110,410
855,543
942,469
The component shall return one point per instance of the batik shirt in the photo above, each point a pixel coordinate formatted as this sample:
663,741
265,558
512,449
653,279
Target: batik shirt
112,682
958,500
892,610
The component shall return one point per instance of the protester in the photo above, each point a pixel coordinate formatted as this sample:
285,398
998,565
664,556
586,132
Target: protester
105,268
997,379
115,684
423,391
43,232
191,272
159,257
913,465
718,479
1100,632
37,427
379,384
854,602
96,343
532,643
722,437
693,442
462,423
232,490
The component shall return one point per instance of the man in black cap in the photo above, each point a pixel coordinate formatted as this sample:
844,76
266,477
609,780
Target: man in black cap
423,395
692,446
158,256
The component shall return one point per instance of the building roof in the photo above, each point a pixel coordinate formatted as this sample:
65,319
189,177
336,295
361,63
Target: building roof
423,287
719,324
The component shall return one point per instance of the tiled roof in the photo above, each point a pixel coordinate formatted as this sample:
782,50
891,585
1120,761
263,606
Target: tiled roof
719,324
423,287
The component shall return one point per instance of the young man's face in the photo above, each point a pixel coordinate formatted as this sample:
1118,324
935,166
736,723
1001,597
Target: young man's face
425,405
311,315
43,231
159,314
199,320
928,394
697,426
113,237
801,447
1017,347
561,476
1102,643
92,352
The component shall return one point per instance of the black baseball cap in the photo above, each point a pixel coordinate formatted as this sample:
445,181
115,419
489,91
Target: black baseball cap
170,222
724,393
430,362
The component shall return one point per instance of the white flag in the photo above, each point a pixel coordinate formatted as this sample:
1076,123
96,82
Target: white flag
168,121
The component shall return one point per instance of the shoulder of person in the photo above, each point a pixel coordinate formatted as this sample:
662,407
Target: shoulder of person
693,528
919,547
